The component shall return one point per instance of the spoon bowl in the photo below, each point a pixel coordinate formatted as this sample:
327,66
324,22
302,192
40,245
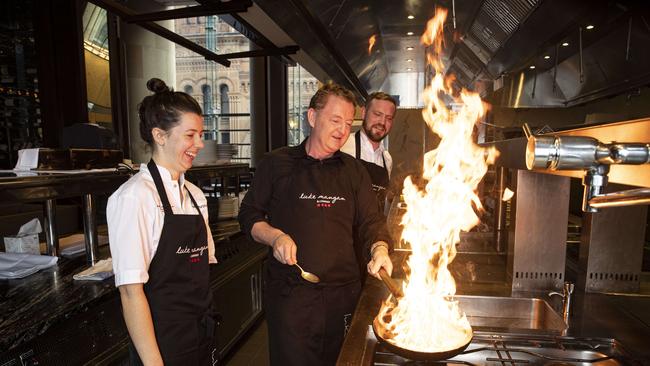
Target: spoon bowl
308,276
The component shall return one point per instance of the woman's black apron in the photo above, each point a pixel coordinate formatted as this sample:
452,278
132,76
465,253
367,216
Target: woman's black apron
178,290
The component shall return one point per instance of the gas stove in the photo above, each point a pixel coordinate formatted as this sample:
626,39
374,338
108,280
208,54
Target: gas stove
516,349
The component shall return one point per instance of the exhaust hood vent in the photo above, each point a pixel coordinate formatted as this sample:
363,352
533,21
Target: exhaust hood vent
498,19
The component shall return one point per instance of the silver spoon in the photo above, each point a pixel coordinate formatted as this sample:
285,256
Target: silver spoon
308,276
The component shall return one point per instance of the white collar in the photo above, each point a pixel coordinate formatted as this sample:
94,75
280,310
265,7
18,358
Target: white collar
165,175
365,143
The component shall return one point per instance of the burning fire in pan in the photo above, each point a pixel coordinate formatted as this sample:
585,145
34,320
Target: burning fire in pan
427,319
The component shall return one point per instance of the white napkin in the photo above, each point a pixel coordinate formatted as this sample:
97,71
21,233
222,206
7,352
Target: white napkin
19,265
27,159
100,271
75,244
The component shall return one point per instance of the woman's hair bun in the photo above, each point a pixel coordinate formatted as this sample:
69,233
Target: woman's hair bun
157,86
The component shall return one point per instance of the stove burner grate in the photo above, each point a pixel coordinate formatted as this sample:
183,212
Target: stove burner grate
501,349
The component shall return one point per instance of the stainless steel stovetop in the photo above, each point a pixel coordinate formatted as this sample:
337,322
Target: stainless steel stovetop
516,349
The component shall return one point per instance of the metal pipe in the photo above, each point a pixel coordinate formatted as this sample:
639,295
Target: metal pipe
90,229
453,12
587,153
630,197
557,52
567,291
582,75
532,95
500,234
629,153
593,181
51,235
629,40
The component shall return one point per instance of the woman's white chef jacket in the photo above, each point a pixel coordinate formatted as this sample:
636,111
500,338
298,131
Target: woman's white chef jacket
135,217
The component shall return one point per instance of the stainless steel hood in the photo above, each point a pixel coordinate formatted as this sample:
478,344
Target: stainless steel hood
490,45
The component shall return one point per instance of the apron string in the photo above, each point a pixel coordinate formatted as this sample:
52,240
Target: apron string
155,174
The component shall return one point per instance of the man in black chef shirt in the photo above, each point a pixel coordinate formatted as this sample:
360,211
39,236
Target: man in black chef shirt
305,202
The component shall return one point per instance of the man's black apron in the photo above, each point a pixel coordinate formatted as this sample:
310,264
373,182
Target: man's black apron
380,180
178,290
308,322
378,174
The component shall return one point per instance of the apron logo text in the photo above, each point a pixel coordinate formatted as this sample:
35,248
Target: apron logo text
321,200
195,252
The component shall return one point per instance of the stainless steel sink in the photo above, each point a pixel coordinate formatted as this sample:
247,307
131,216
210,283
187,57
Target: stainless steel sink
511,314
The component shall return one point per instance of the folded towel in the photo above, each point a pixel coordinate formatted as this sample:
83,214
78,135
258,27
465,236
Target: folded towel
19,265
100,271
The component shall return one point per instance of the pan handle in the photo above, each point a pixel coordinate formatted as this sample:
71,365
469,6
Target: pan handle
390,283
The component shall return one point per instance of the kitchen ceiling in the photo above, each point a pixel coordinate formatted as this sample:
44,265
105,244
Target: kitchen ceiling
486,40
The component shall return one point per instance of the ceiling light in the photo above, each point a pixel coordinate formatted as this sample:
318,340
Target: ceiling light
409,48
410,16
565,44
532,67
590,27
409,33
547,57
409,69
409,60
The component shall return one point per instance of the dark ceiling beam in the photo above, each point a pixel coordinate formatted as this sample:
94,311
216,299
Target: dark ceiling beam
124,12
243,27
323,35
283,51
239,6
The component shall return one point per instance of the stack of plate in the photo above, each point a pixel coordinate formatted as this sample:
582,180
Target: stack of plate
207,155
225,152
228,207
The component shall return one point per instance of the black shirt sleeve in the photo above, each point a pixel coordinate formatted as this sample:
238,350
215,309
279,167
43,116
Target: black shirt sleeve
256,202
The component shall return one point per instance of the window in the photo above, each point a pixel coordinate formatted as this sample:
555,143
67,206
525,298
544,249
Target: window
224,121
226,105
188,89
298,99
207,99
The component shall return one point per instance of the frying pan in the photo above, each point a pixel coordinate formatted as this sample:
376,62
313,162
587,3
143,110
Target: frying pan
380,333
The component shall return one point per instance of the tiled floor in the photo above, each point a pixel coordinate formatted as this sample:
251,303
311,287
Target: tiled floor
252,350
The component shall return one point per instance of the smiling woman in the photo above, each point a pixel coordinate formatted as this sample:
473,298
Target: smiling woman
158,225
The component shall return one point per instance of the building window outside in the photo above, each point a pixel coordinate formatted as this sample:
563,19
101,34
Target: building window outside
226,104
224,121
207,99
298,103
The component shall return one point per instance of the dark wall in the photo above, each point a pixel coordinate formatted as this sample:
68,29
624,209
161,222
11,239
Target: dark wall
61,69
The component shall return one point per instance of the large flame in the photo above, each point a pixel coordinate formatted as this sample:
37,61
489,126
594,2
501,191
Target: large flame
427,319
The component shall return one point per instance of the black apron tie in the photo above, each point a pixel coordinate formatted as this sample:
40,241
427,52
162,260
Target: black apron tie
378,174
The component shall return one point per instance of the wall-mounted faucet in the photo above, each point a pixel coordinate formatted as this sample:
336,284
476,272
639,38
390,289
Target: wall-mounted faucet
550,152
567,291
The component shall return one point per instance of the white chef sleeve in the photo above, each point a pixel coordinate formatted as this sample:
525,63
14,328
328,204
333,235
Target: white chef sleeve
130,232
